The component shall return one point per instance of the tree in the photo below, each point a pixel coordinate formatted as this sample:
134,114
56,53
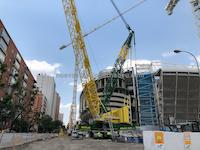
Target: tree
23,106
10,111
20,125
56,125
6,104
6,111
46,124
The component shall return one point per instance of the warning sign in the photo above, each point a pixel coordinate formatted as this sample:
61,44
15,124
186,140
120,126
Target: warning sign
158,137
187,138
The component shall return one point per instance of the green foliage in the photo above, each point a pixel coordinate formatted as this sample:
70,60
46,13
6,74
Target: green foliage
20,125
47,125
56,125
2,69
10,111
6,110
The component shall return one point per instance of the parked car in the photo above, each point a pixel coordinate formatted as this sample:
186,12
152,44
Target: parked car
76,135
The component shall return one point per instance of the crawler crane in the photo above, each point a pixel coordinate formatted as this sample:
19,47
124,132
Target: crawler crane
120,115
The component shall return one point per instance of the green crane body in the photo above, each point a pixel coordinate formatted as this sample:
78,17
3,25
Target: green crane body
116,71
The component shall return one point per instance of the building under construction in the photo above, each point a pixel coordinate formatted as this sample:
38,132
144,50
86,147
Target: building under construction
119,98
178,95
167,96
135,91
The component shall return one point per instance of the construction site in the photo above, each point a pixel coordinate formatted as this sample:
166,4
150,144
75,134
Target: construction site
123,101
130,104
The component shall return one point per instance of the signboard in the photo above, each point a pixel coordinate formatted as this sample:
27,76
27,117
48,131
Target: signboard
159,137
187,138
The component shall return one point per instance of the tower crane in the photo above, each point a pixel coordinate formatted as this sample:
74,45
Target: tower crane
195,6
72,114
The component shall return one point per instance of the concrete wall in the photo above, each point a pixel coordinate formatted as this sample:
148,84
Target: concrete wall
16,139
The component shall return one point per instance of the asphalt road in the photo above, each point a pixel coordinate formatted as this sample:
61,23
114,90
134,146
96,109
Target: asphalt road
87,144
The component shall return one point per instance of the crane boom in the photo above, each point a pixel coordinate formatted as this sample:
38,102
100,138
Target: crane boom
116,71
170,6
85,71
195,8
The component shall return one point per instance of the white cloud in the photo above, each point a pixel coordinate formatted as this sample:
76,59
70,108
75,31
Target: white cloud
44,67
168,54
79,86
109,67
65,109
64,106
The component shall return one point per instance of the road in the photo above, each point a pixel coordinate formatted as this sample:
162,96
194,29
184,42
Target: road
66,143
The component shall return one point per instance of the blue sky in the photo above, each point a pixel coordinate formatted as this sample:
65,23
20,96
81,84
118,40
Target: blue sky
38,29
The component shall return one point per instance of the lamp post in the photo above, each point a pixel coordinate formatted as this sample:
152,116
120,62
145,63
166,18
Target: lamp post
180,51
197,64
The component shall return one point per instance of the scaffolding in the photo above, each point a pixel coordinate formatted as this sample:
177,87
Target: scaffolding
146,95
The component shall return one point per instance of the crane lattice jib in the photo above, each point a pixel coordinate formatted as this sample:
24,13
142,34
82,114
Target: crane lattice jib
81,55
116,72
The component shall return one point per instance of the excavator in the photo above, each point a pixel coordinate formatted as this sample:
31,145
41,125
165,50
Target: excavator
98,108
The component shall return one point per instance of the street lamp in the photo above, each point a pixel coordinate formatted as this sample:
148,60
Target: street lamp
197,64
179,51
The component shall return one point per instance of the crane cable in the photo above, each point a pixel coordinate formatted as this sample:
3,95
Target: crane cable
120,15
108,22
124,21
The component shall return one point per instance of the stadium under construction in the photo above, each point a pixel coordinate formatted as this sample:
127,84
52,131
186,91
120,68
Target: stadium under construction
156,97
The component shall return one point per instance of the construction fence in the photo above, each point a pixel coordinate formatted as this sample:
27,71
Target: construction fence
158,140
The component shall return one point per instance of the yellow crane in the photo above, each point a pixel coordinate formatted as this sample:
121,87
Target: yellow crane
80,52
84,68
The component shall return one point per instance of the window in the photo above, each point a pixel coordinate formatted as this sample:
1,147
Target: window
12,81
24,84
3,45
25,76
17,65
18,57
14,71
2,56
5,35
